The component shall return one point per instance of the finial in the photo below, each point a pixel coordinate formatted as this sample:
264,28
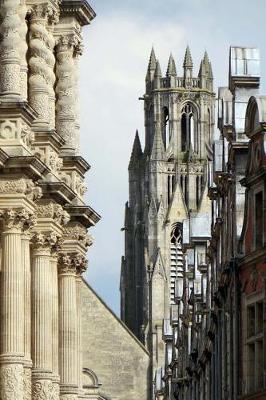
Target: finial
152,60
136,149
171,69
158,72
188,63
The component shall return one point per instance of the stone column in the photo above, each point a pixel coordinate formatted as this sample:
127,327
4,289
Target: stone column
23,48
77,53
68,326
80,270
66,92
42,316
10,45
26,269
12,307
40,57
55,322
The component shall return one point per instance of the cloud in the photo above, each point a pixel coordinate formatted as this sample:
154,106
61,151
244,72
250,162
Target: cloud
113,69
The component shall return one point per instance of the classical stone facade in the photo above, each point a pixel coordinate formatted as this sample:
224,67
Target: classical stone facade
208,340
44,219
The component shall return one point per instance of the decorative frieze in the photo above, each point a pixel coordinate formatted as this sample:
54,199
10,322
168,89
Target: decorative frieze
11,382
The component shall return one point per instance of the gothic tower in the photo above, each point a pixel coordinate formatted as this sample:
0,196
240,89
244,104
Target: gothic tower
168,183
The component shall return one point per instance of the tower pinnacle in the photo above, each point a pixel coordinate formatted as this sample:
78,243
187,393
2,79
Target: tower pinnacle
171,69
188,63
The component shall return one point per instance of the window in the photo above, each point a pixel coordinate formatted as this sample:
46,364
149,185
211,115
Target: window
176,263
258,220
255,346
166,127
188,129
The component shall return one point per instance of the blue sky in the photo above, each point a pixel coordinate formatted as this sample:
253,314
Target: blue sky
113,68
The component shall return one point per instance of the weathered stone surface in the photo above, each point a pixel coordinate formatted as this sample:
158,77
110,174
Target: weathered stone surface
118,359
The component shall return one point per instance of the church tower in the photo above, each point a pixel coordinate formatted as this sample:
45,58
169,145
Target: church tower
168,182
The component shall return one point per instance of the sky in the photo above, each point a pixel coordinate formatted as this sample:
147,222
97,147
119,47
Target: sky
113,66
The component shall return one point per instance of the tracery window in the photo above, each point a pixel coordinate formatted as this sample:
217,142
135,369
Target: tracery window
176,262
188,128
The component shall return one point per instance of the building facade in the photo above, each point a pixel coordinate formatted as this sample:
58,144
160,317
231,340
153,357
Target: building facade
44,219
208,338
168,184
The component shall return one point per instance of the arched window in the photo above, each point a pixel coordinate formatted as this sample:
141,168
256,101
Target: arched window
188,128
176,263
166,127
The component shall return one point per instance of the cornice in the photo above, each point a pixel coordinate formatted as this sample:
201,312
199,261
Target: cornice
31,166
83,214
80,9
58,191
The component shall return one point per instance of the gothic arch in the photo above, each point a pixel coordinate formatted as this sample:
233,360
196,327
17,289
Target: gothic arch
189,126
255,114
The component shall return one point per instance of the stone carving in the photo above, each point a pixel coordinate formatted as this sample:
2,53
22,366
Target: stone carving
45,240
78,232
27,384
42,390
41,58
53,211
81,187
10,43
55,162
67,48
72,263
17,219
11,387
23,48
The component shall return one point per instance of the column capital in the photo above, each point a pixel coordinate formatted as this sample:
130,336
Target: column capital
69,43
18,219
74,231
50,210
45,241
73,264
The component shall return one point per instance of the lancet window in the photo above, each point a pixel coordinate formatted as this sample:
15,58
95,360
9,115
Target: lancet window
176,261
188,128
166,127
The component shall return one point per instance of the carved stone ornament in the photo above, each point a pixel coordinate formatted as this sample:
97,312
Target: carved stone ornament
42,390
45,240
17,219
72,263
11,382
53,211
23,186
78,232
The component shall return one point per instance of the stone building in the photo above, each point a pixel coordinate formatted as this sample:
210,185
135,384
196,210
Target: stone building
209,338
44,220
168,183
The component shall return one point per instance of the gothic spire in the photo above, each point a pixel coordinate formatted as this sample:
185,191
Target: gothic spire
152,61
136,153
188,63
171,69
151,66
158,72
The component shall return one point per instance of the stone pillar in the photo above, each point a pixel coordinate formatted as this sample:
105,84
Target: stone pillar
10,45
68,326
23,48
26,269
53,19
79,332
55,322
40,58
12,307
77,54
42,316
66,92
